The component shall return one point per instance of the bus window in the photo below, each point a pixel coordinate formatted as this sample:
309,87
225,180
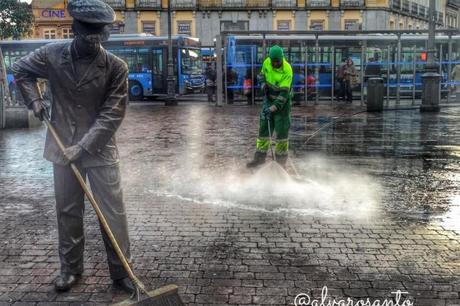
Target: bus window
191,63
12,56
128,55
142,61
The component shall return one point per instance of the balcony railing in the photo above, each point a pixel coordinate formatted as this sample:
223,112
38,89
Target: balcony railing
352,3
422,11
118,4
405,6
179,4
229,4
414,8
258,3
396,4
147,4
210,3
284,3
318,3
439,17
455,3
233,3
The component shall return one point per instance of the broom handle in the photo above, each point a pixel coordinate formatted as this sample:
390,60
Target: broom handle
270,136
98,211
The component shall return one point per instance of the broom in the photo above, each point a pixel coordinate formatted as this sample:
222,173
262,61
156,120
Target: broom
164,296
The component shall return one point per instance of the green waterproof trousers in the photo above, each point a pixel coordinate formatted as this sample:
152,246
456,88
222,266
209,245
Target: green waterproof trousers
280,122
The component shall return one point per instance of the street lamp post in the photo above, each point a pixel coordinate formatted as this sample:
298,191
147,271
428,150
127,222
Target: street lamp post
171,89
431,79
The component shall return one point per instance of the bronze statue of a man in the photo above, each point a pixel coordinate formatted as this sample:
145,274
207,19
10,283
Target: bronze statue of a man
89,97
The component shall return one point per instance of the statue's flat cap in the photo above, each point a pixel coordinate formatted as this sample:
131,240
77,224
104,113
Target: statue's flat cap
91,11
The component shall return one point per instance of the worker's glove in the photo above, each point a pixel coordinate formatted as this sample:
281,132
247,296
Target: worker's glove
40,109
273,108
265,89
266,113
72,153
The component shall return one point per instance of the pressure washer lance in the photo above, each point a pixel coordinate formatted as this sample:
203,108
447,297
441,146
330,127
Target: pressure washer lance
333,120
166,295
270,137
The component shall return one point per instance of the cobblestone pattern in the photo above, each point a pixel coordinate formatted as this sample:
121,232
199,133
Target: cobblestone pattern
217,255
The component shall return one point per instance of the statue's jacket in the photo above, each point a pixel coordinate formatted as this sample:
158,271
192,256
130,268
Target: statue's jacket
85,111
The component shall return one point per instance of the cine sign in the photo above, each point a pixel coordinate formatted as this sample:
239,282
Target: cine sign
53,13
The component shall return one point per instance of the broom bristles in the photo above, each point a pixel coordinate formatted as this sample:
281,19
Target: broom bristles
164,296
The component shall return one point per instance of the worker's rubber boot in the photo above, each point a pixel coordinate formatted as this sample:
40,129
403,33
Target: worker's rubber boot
259,159
281,160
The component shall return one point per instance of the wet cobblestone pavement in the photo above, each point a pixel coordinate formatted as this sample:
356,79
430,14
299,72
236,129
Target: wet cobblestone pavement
377,209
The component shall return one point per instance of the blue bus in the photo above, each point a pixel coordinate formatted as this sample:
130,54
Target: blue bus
320,56
146,56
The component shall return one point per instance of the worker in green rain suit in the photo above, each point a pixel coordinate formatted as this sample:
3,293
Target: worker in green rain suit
276,84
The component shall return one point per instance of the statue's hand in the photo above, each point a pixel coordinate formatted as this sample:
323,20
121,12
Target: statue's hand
39,109
72,153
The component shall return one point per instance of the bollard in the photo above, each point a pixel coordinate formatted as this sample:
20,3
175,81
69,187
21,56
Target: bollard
375,91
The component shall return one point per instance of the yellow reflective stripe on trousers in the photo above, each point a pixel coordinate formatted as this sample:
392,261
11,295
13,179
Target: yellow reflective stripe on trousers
262,145
282,146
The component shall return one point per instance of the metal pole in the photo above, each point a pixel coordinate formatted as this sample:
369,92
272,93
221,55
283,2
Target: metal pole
252,76
225,75
414,72
363,58
5,97
440,58
398,71
306,74
2,106
388,74
332,73
264,47
171,79
219,70
317,69
440,69
431,33
449,67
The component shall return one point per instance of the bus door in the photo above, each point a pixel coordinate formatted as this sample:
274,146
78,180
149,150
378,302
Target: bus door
159,71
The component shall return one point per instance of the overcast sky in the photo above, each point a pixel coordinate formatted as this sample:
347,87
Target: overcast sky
28,1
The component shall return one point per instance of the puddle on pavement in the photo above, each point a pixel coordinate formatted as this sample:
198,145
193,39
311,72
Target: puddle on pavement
323,189
451,220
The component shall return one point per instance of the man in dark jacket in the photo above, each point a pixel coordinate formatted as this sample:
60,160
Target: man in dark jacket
210,75
89,97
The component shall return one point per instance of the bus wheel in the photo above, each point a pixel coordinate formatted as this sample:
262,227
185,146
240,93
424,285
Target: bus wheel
135,91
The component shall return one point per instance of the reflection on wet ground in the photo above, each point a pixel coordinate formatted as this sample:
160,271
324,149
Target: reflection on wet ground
405,160
371,205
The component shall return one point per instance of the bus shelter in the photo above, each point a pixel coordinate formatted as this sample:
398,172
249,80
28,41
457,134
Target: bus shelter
398,57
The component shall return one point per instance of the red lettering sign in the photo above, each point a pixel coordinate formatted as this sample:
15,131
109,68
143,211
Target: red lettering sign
134,43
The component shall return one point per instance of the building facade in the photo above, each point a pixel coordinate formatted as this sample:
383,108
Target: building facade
207,18
52,21
452,19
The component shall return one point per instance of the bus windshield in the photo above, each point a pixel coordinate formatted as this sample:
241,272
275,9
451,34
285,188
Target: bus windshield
191,61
